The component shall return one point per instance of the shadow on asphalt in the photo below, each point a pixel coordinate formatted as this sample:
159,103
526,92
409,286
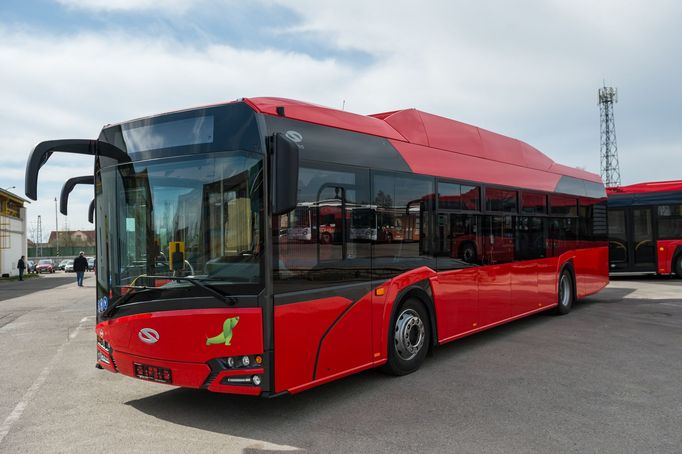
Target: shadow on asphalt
14,289
275,420
647,278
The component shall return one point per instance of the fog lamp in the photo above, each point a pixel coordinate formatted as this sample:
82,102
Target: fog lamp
256,380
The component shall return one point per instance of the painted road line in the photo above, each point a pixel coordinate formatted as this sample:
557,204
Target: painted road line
33,389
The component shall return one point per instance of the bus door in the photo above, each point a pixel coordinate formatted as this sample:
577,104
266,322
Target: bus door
631,239
642,244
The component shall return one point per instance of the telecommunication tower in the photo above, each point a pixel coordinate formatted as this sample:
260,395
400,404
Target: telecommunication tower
610,169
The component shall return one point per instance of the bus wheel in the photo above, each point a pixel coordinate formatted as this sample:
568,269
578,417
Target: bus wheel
468,252
566,296
678,265
408,338
325,238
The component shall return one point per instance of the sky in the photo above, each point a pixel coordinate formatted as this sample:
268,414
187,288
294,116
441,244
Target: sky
526,69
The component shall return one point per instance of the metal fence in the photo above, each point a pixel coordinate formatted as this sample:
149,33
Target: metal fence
62,252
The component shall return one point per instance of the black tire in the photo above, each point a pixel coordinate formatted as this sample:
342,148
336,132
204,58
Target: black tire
566,294
467,252
678,265
407,351
325,238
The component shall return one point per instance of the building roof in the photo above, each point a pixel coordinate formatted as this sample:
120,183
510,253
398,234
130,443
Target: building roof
89,234
12,195
421,128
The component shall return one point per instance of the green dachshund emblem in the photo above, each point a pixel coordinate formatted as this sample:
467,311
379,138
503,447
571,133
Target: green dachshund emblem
226,336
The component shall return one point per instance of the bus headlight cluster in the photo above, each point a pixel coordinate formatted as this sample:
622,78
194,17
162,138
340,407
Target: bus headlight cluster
236,362
103,344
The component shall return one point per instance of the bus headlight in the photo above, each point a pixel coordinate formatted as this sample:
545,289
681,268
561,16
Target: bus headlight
246,361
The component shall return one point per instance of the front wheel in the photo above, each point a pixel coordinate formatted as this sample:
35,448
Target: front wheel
408,338
566,295
678,266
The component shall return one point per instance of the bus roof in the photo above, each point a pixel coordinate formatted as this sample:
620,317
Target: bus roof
641,188
422,128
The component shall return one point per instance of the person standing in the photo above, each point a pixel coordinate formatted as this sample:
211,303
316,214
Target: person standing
80,264
21,265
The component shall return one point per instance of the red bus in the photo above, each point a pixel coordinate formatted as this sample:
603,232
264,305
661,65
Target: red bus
645,228
198,285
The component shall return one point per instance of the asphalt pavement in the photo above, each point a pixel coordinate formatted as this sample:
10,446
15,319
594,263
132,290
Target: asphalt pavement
605,378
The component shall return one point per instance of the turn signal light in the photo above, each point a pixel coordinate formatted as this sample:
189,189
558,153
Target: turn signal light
380,291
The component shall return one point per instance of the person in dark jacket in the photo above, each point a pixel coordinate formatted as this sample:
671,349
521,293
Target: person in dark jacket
80,264
21,265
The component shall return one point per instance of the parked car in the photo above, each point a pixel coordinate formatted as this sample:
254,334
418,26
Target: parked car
30,266
45,266
91,263
68,268
62,264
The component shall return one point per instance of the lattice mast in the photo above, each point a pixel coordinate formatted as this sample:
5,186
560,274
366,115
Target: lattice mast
610,169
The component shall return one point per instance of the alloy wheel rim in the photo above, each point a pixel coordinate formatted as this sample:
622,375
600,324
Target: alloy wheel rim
564,291
409,334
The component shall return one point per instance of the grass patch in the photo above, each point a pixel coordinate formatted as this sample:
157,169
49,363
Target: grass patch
16,278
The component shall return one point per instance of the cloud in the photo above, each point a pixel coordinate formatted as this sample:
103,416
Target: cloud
173,6
70,86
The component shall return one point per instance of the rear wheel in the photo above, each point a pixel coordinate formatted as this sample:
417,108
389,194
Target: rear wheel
566,295
408,338
468,252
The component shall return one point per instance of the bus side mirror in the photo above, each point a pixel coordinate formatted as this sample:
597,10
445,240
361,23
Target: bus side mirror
284,188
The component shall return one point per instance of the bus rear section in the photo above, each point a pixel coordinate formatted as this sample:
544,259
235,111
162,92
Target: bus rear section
645,228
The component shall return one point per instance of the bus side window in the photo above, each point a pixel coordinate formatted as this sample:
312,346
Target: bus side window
322,241
465,238
404,203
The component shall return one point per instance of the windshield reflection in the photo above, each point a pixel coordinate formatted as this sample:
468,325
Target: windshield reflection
197,216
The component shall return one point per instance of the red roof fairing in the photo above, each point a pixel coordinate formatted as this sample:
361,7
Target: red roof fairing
410,128
656,186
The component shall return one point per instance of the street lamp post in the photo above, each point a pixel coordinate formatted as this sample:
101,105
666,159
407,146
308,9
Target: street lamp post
56,224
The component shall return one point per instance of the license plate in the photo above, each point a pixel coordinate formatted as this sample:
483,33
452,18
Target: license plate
153,373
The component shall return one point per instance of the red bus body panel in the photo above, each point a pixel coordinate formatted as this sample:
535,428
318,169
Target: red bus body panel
665,253
182,344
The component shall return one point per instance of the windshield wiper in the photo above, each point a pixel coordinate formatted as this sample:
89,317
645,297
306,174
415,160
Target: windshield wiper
224,297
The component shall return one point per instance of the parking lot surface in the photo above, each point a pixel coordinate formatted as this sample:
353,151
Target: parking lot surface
605,378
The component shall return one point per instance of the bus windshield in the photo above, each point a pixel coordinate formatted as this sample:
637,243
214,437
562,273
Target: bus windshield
193,216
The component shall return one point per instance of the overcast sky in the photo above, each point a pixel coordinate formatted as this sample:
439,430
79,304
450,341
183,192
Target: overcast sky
527,69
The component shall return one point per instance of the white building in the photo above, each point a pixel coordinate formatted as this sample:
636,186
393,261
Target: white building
12,232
